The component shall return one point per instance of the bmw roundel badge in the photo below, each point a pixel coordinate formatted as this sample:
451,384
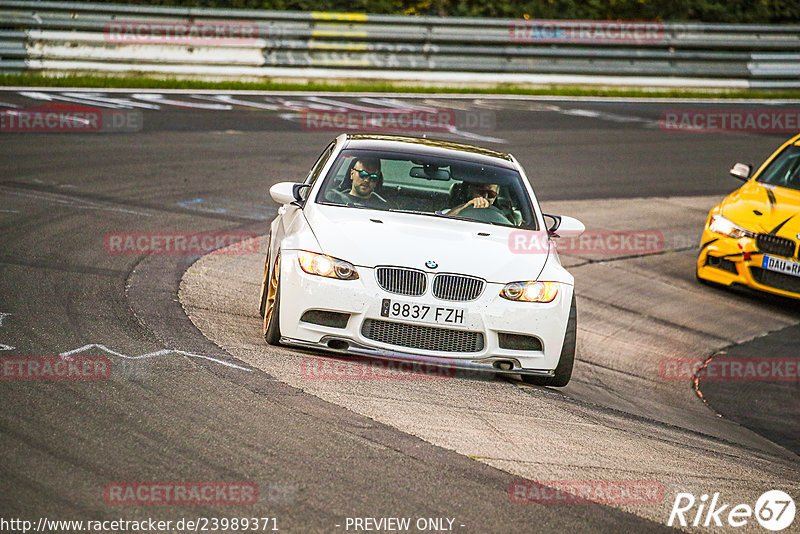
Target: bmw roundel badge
430,264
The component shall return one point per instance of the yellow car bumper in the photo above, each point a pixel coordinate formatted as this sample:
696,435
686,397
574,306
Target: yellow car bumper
727,261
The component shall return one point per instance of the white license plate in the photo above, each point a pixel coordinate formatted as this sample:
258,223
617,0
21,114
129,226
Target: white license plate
781,266
423,313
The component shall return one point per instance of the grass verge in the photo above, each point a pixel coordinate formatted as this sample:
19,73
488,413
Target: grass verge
139,82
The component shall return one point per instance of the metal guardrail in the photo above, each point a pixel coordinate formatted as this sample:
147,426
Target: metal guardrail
69,37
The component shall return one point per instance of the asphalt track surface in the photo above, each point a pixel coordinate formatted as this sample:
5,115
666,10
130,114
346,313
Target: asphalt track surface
167,414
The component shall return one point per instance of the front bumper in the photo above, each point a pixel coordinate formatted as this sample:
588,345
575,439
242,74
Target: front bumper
497,364
728,261
361,299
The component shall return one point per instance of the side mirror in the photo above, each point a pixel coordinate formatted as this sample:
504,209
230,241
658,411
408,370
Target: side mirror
564,226
556,222
300,192
287,192
741,171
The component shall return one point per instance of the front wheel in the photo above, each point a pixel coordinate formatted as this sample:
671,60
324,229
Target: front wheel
264,286
272,309
566,362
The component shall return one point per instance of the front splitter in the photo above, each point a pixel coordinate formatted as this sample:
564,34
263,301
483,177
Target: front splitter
343,345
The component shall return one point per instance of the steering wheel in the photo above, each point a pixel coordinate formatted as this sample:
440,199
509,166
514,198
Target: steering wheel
489,215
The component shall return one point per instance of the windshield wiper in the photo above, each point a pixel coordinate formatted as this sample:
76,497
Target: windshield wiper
478,221
418,212
357,205
448,216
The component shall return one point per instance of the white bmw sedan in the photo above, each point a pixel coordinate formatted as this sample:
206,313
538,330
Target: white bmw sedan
410,249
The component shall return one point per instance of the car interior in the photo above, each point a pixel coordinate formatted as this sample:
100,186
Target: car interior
432,187
784,171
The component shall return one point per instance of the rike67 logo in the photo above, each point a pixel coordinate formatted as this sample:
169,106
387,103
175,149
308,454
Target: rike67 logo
774,510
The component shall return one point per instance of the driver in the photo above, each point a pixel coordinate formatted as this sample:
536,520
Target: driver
481,196
366,177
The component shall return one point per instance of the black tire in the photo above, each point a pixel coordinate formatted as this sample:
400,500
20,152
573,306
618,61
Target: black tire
566,362
272,322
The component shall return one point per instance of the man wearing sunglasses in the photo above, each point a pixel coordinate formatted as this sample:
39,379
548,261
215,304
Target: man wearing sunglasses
365,177
481,196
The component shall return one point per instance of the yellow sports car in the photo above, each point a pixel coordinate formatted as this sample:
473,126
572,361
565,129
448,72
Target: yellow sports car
751,237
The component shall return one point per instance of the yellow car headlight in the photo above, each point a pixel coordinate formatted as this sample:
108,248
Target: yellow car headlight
322,265
726,227
530,291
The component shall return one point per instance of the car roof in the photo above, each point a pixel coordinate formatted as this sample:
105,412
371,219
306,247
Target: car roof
428,147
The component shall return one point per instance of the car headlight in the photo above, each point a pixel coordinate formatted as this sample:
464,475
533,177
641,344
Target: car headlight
323,265
721,225
530,291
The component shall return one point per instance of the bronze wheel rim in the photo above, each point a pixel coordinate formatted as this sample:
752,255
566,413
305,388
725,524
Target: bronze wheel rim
272,289
264,283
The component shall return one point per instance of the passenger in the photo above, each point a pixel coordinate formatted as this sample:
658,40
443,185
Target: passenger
480,195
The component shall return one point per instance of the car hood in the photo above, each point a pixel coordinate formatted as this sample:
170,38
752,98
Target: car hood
779,209
370,238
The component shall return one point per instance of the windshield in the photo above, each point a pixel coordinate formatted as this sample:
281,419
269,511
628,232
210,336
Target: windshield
391,181
784,171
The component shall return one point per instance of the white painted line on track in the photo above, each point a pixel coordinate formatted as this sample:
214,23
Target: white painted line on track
71,202
3,346
67,355
122,102
342,105
38,95
229,99
478,137
359,94
343,102
398,104
159,99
